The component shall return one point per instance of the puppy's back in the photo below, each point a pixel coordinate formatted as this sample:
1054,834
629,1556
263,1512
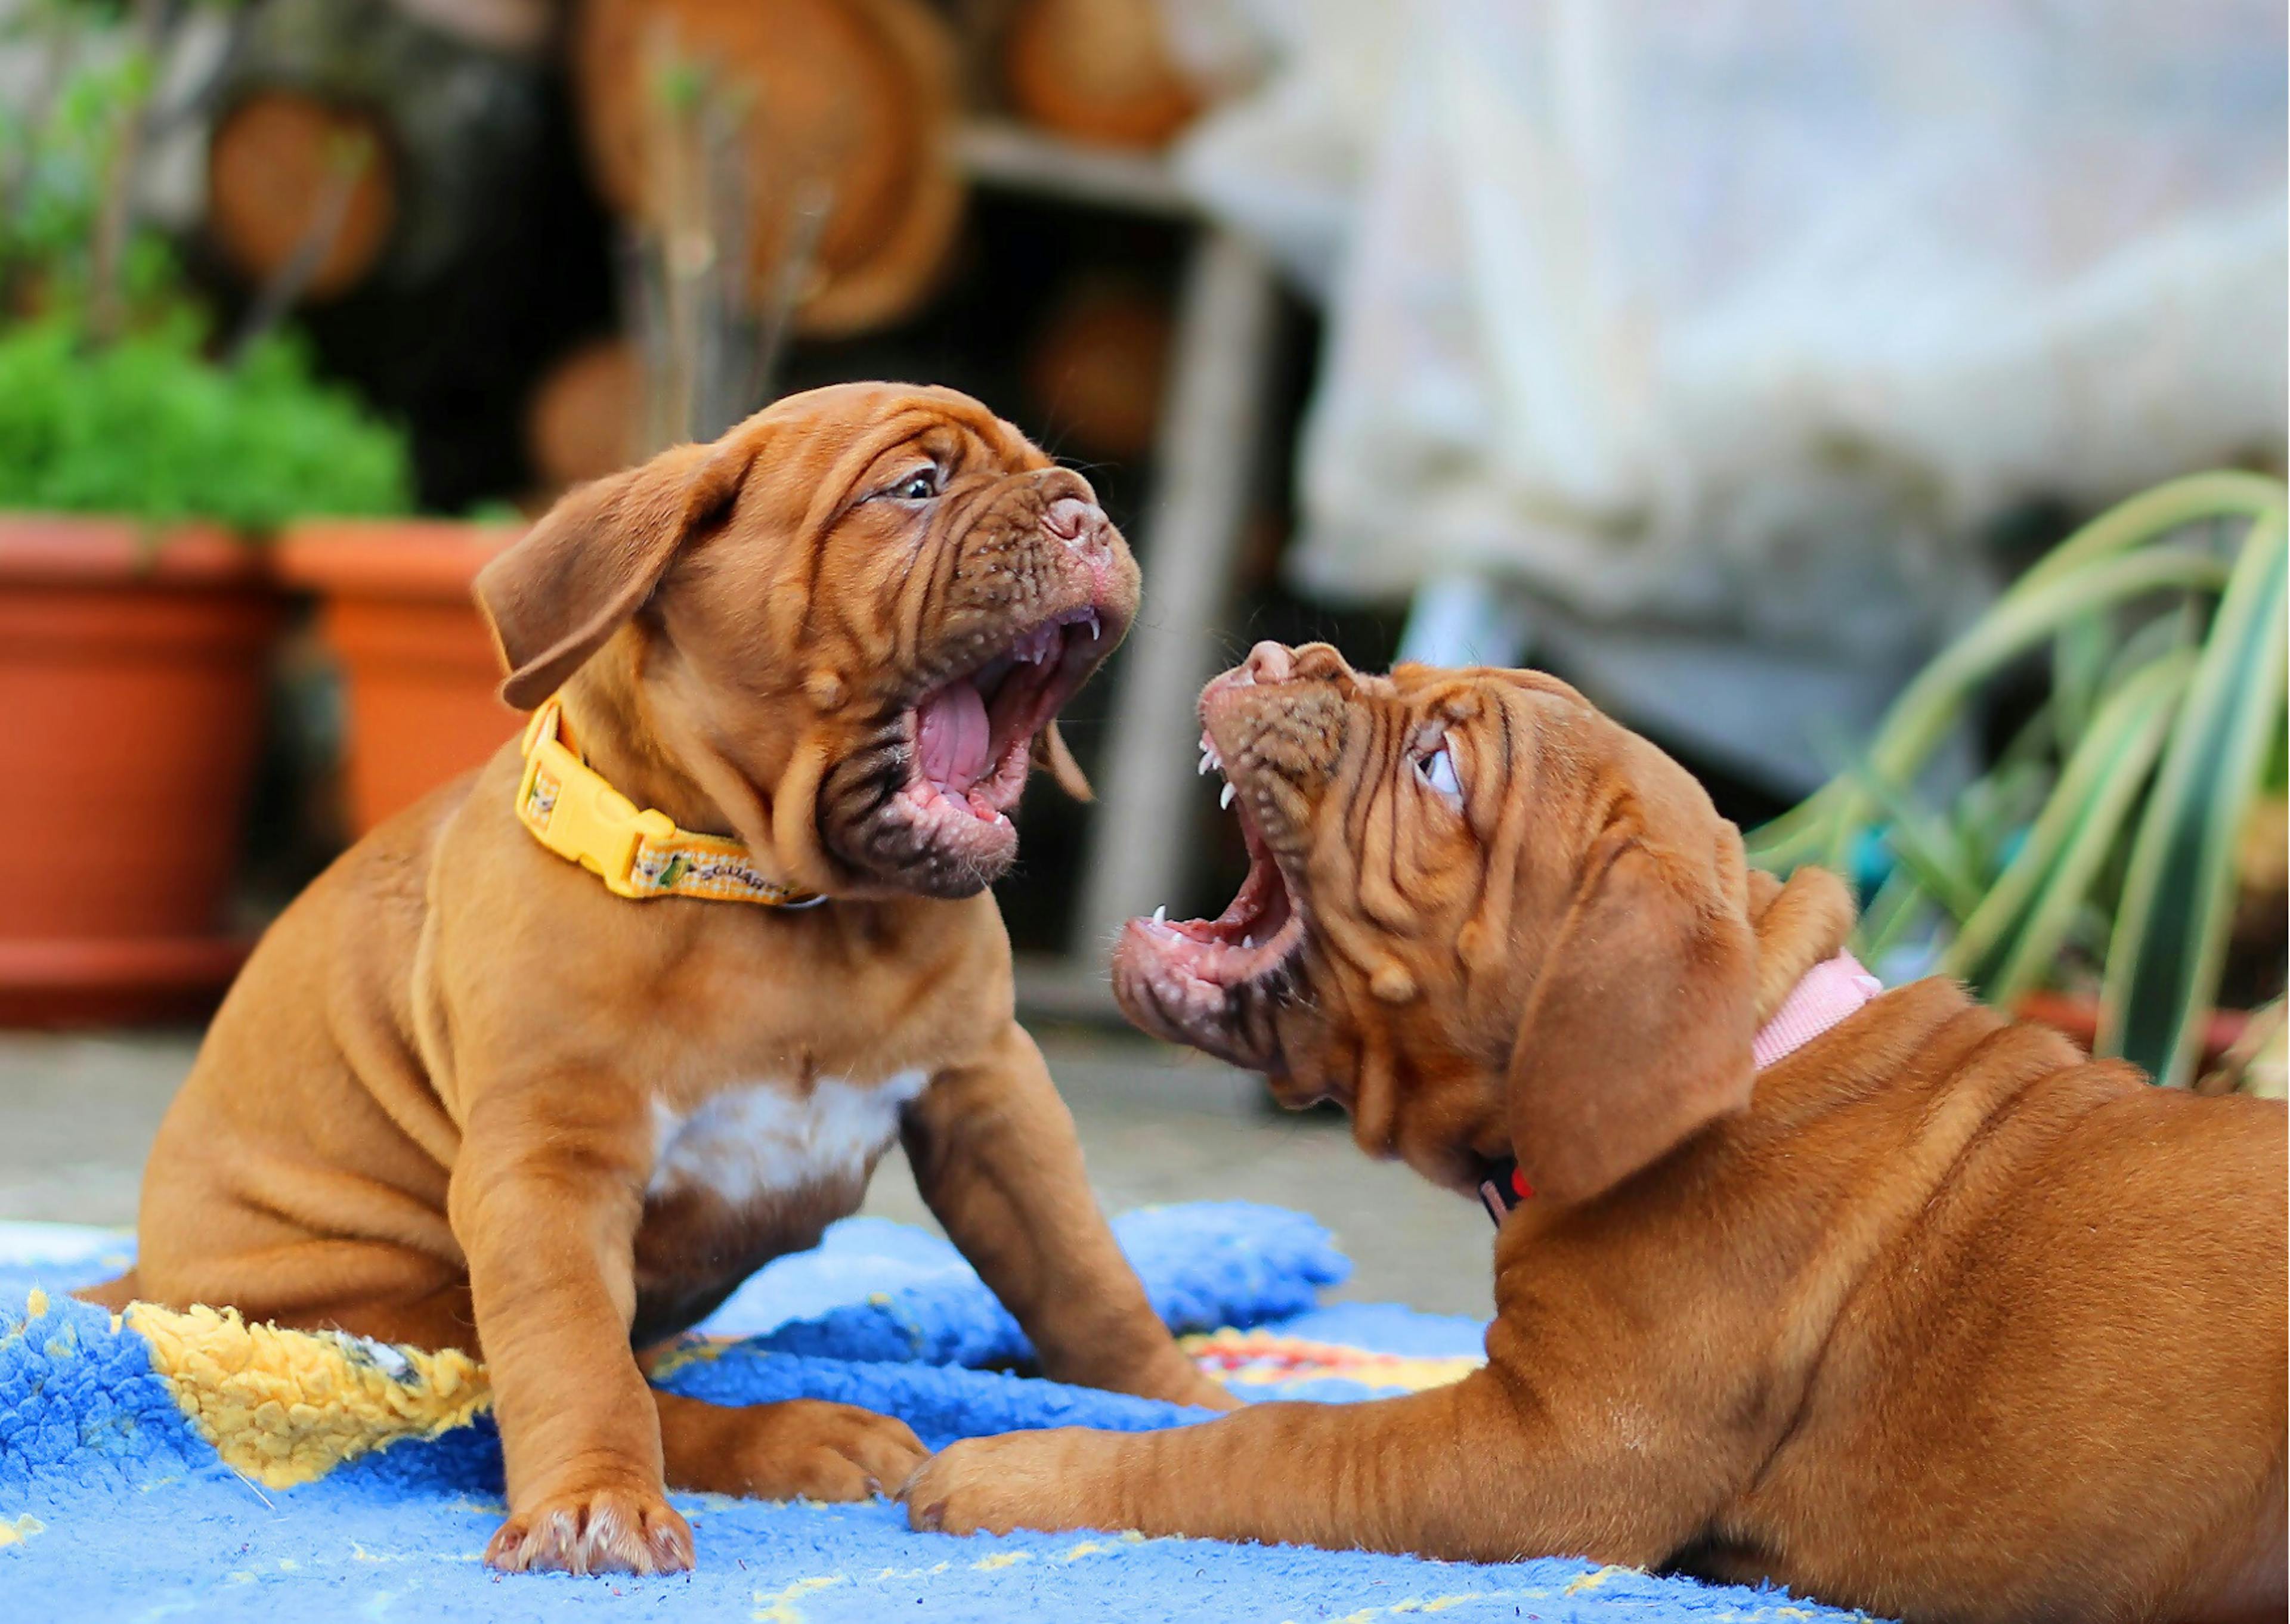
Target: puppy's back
311,1085
2081,1332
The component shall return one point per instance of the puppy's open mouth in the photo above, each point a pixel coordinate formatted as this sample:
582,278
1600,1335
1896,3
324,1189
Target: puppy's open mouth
1212,982
973,734
1258,930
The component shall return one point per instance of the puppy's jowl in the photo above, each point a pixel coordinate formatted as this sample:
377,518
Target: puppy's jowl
547,1065
1877,1295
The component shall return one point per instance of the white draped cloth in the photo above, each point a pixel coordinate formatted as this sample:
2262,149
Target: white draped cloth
1723,329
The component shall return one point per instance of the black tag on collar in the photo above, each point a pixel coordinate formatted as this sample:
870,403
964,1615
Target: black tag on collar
1505,1191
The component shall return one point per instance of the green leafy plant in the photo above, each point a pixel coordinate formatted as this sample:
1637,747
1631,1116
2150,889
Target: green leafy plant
2100,846
114,396
148,426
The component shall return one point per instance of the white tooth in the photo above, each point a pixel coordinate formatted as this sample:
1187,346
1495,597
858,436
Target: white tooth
1225,799
1093,626
1203,771
1248,941
1161,914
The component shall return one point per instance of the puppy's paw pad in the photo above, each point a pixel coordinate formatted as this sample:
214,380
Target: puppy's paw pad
605,1530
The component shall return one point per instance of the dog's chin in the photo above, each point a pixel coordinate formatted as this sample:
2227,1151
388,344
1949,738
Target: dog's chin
931,845
925,839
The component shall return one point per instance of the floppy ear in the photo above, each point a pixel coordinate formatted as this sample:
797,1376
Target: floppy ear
573,579
1637,1031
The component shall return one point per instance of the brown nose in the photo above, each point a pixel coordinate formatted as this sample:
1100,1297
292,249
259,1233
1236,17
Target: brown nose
1073,521
1269,663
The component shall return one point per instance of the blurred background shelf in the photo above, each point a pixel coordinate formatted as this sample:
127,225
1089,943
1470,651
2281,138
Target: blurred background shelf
1001,152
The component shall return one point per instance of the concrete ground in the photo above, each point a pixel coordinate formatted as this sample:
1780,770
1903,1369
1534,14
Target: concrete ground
77,1114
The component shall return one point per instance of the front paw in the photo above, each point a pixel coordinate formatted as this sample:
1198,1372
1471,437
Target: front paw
1019,1480
799,1449
599,1530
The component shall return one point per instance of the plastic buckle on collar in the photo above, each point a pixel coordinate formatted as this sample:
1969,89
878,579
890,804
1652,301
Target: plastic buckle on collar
576,814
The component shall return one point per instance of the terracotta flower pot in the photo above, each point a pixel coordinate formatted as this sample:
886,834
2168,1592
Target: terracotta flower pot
419,669
131,673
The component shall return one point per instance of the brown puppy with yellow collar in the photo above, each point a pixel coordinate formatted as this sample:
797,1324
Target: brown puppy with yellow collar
1893,1301
464,1095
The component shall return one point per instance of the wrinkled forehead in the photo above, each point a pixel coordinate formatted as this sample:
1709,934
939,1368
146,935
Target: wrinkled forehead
1461,692
841,429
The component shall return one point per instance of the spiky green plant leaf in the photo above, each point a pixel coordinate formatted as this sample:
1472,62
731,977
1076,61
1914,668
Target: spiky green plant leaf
2080,660
2100,811
2122,739
1927,847
1820,828
2169,943
1899,909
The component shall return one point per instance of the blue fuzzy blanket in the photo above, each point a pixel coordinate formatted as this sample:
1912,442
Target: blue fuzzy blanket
114,1506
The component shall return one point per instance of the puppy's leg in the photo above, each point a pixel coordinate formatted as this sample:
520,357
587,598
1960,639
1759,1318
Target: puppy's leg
112,1294
802,1448
437,1319
546,1199
375,1289
994,1153
1462,1473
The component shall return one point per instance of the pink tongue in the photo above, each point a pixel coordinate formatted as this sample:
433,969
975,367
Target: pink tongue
954,736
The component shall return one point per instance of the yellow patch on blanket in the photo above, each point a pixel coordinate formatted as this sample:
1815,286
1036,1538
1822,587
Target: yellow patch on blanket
285,1407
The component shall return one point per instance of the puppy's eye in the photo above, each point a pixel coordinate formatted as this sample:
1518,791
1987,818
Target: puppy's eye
1437,769
918,486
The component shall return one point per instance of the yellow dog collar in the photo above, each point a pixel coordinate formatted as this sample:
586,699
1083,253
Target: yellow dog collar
575,813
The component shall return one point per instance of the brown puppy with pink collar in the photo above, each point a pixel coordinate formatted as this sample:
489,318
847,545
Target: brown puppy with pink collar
1881,1297
469,1093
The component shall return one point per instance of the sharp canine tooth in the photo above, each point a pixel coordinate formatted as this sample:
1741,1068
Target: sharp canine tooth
1161,914
1225,799
1248,940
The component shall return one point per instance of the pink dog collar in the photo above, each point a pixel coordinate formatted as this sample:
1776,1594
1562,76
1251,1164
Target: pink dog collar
1829,991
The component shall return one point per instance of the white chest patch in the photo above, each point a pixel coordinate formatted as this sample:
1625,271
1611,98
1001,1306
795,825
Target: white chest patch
756,1138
